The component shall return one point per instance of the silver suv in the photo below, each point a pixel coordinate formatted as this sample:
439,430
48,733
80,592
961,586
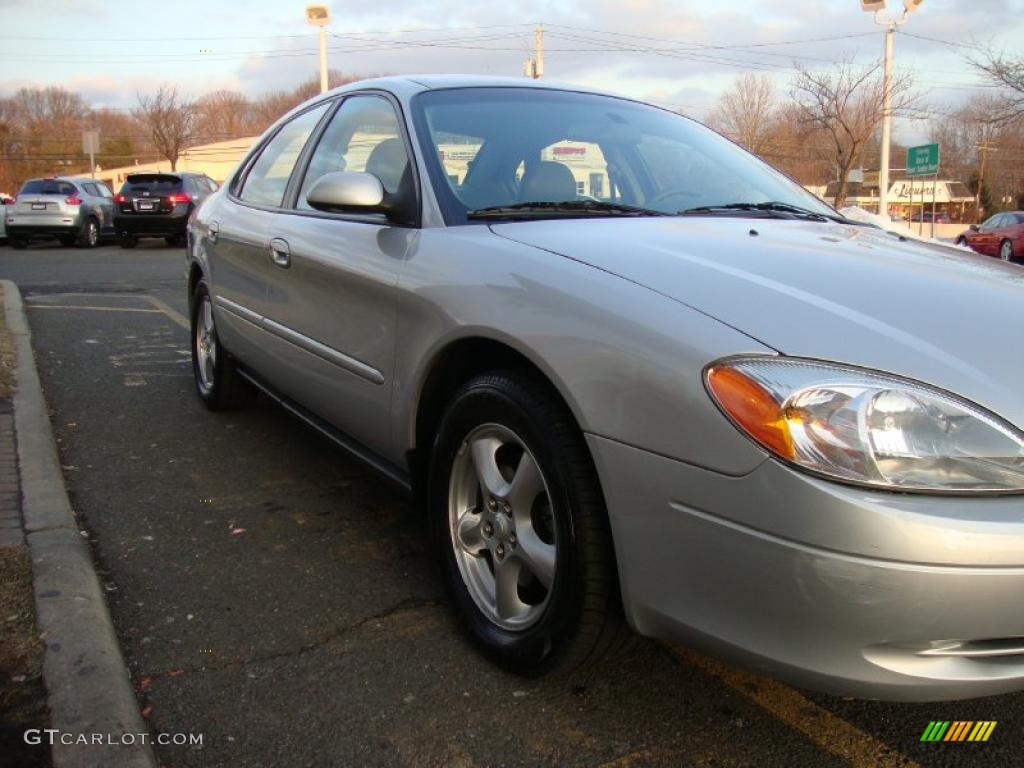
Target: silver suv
75,211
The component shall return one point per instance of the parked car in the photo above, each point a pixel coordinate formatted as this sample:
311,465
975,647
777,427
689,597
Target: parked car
926,217
1000,235
158,205
4,200
73,210
691,395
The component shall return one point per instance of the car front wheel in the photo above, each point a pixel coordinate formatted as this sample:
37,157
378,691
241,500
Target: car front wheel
1006,251
520,524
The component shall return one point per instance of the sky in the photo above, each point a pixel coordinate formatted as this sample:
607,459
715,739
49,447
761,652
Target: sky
678,53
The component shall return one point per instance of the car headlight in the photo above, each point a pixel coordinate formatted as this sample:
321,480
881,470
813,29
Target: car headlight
870,428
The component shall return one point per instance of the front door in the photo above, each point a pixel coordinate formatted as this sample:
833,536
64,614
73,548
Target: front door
332,299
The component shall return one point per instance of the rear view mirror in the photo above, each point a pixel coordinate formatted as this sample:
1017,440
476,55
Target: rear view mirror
974,227
347,191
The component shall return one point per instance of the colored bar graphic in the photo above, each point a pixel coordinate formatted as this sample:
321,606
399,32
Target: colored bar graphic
982,730
935,730
959,730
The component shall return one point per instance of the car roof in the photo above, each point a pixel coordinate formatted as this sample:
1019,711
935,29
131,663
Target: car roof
407,83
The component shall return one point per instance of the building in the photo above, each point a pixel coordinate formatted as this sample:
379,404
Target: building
216,160
907,196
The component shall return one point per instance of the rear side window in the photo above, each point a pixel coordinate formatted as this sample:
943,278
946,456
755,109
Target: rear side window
48,187
152,183
268,177
91,189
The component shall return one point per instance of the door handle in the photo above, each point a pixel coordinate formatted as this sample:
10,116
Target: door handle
280,254
213,232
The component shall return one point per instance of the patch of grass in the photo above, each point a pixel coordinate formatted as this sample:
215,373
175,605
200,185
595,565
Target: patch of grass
22,694
8,358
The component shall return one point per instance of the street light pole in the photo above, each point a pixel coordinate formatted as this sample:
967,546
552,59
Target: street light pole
323,60
890,23
320,16
883,170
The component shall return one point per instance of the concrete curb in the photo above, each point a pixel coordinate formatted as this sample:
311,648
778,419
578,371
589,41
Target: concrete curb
88,687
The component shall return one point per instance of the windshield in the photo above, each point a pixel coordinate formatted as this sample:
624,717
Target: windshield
504,147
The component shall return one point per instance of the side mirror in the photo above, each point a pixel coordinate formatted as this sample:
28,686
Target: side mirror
974,227
348,191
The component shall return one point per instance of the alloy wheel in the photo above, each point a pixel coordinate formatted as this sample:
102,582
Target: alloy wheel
206,344
502,528
1006,251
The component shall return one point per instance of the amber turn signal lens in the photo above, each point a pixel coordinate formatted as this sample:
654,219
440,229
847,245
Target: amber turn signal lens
753,409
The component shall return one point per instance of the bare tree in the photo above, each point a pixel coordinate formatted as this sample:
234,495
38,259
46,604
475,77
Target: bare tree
745,112
169,120
846,104
1007,74
223,115
272,105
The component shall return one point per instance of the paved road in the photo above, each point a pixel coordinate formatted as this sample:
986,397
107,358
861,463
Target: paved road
276,597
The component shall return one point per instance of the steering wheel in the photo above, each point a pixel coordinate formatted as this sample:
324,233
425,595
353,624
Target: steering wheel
661,198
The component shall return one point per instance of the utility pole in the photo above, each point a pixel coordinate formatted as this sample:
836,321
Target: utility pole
538,52
984,149
535,67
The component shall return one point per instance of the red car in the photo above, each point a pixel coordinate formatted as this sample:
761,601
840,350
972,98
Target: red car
1000,235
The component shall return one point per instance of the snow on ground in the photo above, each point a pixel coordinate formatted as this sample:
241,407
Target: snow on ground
896,227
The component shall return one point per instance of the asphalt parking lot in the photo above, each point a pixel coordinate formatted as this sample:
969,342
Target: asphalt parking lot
276,597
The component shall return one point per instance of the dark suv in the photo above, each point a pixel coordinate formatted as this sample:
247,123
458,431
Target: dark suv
158,205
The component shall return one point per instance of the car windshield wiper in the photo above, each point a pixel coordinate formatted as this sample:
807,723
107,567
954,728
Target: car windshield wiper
771,209
565,208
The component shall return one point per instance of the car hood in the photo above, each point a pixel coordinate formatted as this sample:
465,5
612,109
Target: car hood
829,291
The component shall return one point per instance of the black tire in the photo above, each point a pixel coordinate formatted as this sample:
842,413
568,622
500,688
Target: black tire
127,242
582,621
89,236
961,241
227,389
19,243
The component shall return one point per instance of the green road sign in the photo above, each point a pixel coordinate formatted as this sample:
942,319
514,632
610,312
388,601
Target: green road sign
923,160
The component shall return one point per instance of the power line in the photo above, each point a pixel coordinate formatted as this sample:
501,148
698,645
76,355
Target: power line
243,37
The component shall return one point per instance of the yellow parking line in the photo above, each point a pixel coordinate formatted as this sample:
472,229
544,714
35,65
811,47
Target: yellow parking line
825,729
82,307
170,311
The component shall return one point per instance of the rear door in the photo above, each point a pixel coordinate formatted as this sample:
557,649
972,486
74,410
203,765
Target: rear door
240,254
101,203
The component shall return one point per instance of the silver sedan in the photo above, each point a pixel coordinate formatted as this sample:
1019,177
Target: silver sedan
637,378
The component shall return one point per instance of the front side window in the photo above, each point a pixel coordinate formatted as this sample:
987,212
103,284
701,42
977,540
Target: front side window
363,136
267,179
992,222
529,145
